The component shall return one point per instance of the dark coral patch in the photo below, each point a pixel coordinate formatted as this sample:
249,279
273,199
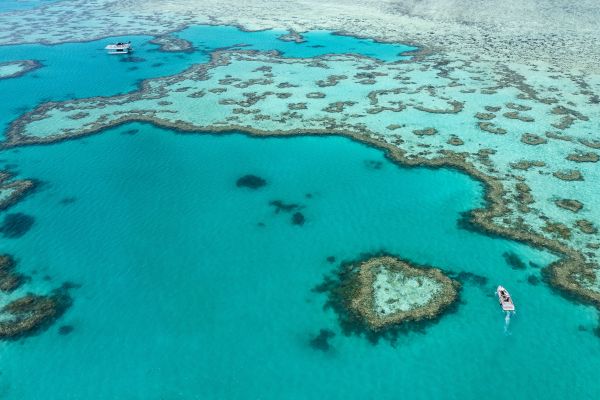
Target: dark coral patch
373,164
321,341
513,260
65,330
16,225
280,206
251,182
32,313
9,279
425,132
298,218
68,200
464,276
569,175
569,204
133,59
533,139
586,226
330,259
583,157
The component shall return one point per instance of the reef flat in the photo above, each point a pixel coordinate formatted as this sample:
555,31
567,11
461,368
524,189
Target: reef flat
15,69
385,291
427,111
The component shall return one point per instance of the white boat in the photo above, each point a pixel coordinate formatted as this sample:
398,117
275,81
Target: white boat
505,299
119,48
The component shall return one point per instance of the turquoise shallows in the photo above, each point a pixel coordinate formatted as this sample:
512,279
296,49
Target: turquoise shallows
184,296
16,5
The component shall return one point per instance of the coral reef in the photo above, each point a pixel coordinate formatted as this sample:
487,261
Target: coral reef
171,43
292,36
321,341
298,218
26,315
251,182
65,330
9,279
569,204
386,291
514,261
16,225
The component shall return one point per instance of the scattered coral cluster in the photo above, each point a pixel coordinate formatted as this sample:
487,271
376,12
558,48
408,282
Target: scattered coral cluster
27,314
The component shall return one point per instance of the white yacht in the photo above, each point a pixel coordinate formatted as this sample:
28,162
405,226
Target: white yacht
119,48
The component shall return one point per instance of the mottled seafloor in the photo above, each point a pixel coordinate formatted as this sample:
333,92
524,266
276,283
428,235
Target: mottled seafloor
506,95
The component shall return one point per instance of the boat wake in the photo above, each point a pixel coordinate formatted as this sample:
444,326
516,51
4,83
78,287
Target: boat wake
507,321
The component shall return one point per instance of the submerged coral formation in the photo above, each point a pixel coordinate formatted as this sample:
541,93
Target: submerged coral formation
9,279
27,314
386,291
16,225
251,182
30,313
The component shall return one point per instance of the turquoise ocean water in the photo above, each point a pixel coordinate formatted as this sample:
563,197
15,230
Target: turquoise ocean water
184,295
16,5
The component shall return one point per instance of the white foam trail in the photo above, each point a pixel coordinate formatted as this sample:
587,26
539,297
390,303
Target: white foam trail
507,322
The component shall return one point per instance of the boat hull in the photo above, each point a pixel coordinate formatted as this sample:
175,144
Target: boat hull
119,48
505,300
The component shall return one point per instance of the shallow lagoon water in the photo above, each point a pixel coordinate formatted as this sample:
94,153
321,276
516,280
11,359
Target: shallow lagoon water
16,5
185,296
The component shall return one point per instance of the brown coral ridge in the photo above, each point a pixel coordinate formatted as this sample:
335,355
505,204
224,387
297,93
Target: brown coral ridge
18,188
9,279
28,315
